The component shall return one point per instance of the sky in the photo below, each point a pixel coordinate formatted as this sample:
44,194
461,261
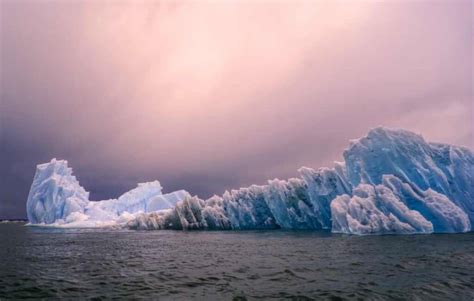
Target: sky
208,96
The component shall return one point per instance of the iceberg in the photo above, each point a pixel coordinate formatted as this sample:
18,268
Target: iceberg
391,182
57,199
54,194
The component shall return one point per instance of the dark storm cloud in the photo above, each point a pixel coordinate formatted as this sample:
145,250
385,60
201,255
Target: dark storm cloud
208,96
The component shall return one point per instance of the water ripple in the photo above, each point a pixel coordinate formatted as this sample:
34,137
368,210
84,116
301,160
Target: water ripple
48,263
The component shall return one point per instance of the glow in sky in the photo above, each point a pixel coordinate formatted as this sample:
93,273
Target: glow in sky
209,96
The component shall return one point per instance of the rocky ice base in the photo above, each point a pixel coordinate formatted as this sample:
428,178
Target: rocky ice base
391,181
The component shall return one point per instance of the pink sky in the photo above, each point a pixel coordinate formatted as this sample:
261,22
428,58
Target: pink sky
209,96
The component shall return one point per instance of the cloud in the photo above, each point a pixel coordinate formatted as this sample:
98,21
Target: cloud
209,96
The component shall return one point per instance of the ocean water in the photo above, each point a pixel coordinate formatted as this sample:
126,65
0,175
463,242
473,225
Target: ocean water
51,263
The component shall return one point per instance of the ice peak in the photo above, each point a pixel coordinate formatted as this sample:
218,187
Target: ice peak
385,136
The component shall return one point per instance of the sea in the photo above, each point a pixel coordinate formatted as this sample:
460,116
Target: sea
97,264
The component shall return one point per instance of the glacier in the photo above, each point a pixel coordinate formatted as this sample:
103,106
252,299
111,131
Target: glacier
391,182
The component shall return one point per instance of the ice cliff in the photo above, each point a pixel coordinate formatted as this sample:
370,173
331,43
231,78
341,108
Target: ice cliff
391,182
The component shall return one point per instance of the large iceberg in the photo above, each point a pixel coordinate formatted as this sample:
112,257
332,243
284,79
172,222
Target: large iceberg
391,182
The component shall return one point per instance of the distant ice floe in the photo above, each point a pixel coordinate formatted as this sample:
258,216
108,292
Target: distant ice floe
391,182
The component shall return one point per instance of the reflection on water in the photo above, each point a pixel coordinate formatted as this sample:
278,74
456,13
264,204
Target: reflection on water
49,263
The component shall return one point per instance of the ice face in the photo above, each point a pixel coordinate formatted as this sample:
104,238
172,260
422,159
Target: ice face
55,193
375,210
392,181
56,198
446,169
444,214
323,186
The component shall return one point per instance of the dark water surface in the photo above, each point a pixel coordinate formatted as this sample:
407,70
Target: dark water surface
49,263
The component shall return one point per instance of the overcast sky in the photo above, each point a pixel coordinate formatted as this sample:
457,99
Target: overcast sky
210,96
